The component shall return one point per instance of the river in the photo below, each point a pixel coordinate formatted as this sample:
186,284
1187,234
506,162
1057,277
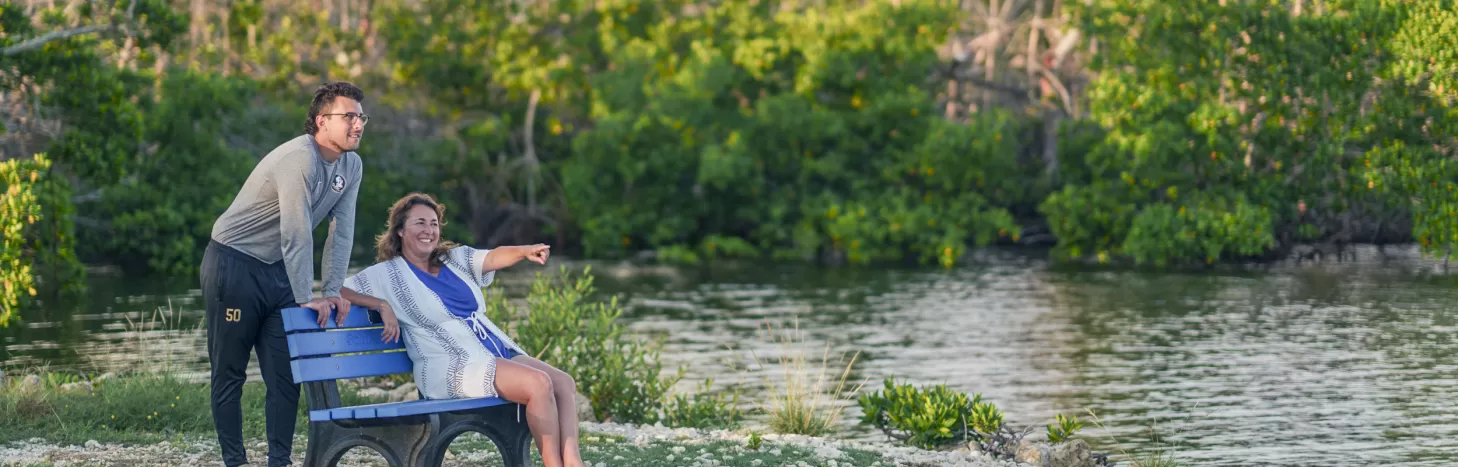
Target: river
1329,363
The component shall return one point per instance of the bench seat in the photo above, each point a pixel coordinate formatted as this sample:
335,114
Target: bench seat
402,409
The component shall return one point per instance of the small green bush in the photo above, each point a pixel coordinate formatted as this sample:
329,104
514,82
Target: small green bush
703,409
928,418
621,375
1063,428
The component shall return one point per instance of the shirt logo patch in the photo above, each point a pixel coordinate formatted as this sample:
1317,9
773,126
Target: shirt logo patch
338,185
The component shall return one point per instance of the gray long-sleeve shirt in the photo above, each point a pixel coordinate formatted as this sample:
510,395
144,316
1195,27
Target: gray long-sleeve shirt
274,215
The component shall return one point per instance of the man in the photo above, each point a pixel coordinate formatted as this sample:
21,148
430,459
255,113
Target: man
261,260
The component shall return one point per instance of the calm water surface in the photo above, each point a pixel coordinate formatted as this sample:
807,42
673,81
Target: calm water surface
1332,364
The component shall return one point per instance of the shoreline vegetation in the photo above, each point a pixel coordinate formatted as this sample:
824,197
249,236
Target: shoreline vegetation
156,419
624,391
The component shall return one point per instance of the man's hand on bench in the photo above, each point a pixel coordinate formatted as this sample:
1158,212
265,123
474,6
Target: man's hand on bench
325,306
341,306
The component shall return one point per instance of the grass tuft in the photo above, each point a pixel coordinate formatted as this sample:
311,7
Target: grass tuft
807,403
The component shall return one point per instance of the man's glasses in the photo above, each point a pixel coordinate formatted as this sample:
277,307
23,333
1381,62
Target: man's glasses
351,116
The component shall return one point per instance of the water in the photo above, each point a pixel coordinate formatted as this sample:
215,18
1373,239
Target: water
1332,364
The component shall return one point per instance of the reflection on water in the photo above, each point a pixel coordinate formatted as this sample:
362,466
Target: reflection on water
1337,363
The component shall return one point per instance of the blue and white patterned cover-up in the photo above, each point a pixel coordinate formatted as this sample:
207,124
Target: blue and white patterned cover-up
450,362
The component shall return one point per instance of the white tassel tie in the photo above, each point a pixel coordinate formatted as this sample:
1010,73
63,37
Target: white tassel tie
477,322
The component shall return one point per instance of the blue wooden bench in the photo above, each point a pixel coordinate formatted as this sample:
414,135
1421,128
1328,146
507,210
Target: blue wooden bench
408,434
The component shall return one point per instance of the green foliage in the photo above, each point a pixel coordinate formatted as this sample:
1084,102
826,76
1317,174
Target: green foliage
1209,227
18,209
97,100
703,409
745,129
37,234
799,131
1414,121
1233,129
678,254
619,374
1063,428
928,418
718,246
162,216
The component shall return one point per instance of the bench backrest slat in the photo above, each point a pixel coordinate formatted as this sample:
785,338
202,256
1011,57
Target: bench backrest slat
316,351
303,319
350,366
312,344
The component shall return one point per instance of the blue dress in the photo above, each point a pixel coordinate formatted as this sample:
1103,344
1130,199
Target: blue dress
458,298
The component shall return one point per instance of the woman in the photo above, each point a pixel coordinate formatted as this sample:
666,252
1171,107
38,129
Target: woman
431,291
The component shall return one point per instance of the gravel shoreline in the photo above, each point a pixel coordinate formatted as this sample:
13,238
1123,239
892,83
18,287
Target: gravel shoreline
828,448
203,450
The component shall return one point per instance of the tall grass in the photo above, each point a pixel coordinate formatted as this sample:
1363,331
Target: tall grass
1161,456
149,400
135,407
808,401
159,337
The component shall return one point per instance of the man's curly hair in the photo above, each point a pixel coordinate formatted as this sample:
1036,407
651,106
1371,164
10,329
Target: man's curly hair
324,96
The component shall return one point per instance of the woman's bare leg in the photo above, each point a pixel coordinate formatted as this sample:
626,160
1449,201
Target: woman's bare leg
526,385
565,389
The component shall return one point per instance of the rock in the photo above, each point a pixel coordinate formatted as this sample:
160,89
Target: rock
584,409
374,393
1031,452
77,386
827,452
1074,453
398,394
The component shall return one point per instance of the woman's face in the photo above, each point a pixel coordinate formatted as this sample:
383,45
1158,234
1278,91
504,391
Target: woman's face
421,232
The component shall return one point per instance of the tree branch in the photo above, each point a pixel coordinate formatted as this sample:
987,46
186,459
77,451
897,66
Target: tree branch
531,151
967,76
1062,91
43,39
52,36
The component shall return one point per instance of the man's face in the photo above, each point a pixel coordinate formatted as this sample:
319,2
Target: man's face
342,124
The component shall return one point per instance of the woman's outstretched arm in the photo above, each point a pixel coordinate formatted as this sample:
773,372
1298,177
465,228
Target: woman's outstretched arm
507,256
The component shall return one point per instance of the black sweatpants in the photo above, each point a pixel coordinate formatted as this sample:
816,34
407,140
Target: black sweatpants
244,296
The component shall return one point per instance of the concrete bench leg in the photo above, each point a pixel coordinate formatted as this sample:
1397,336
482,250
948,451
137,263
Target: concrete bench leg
505,425
400,444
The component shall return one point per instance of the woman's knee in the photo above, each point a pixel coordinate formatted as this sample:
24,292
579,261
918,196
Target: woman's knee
521,383
562,381
539,381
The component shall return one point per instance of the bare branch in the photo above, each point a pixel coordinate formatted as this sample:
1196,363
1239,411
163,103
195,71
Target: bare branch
1062,91
1013,9
969,76
531,151
43,39
979,8
52,36
1065,45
